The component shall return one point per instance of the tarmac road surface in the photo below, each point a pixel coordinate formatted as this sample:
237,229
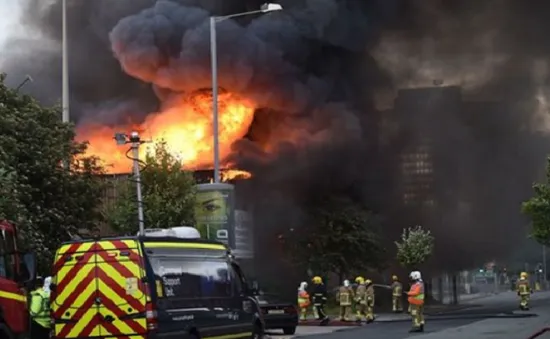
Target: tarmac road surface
492,317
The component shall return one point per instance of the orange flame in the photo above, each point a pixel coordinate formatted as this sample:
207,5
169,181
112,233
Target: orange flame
184,124
232,174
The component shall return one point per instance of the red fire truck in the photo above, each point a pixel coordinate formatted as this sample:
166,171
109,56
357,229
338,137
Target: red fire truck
16,270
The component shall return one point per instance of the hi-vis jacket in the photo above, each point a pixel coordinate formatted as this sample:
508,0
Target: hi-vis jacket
416,294
303,299
523,287
39,308
397,289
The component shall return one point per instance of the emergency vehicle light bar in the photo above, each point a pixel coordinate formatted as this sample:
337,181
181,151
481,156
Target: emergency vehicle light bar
183,232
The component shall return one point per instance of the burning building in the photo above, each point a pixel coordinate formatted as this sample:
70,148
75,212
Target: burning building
297,102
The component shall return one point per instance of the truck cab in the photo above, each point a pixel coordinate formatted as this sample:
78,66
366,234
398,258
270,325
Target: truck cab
166,284
17,270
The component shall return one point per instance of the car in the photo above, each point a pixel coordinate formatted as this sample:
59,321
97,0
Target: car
170,286
277,313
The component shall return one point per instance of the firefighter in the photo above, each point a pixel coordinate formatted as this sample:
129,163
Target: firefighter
524,291
303,300
416,301
361,299
39,309
397,295
319,299
370,301
344,297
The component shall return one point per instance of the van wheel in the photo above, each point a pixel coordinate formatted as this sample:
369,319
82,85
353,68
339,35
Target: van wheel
289,330
257,333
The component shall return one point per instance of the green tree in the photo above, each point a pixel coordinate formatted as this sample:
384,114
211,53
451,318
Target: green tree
10,207
168,195
415,247
538,209
342,237
46,200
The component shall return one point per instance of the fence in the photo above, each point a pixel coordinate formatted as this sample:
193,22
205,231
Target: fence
462,286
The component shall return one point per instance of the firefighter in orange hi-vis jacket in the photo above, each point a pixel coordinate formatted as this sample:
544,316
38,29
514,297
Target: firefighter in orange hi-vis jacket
303,300
416,300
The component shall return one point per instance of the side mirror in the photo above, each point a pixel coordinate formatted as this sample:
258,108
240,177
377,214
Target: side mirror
253,287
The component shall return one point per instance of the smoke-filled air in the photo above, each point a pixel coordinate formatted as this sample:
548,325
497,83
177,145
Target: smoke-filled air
324,97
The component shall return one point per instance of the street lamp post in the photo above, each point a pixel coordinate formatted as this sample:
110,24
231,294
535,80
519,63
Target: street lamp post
267,7
135,141
544,273
65,64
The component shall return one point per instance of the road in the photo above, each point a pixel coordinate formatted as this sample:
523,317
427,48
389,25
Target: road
488,318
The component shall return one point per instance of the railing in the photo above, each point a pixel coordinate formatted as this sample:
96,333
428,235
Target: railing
539,333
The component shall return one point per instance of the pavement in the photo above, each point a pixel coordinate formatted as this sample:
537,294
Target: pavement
490,317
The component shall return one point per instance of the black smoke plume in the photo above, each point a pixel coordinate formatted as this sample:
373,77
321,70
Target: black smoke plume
325,74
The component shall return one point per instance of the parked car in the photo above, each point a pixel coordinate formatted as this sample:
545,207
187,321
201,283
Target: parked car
277,313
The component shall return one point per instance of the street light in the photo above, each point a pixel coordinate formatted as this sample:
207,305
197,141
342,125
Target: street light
134,139
64,64
28,78
267,7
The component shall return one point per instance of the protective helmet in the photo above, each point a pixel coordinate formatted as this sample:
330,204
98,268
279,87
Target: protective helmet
346,283
360,280
415,275
317,279
47,284
523,275
368,282
303,286
394,278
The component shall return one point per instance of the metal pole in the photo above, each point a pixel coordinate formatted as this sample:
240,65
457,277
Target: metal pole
65,65
215,131
544,275
135,153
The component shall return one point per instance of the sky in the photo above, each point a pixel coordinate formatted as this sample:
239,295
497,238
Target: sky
9,12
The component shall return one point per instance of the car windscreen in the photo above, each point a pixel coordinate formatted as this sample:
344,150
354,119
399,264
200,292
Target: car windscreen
188,277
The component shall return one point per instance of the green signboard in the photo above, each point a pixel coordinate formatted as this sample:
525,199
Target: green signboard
215,212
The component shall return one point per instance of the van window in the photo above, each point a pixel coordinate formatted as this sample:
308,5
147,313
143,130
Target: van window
190,278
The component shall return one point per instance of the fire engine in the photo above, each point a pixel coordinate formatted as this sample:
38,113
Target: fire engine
16,271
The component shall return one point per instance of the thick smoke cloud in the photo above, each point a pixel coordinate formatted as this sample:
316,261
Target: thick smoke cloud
321,71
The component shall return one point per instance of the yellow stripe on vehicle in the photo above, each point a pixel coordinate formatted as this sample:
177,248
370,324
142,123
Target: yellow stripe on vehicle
135,267
114,297
73,284
119,278
131,265
13,296
83,322
185,245
83,247
131,244
231,336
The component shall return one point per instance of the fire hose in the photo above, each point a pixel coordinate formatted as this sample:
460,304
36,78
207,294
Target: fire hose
539,333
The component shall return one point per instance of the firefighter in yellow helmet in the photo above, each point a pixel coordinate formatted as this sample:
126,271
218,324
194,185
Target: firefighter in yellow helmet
344,297
524,291
370,300
361,299
397,295
319,299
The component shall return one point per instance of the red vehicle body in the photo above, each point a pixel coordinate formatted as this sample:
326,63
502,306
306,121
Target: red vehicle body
14,272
